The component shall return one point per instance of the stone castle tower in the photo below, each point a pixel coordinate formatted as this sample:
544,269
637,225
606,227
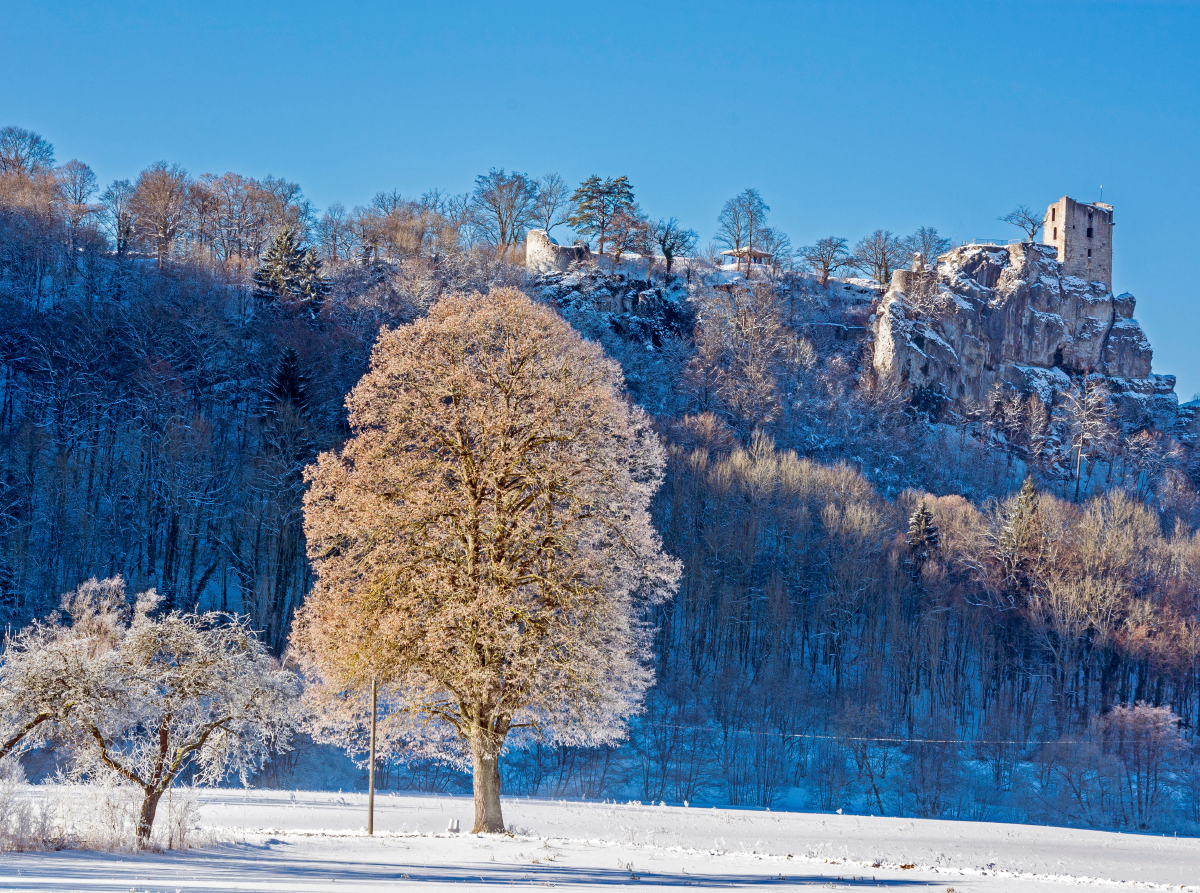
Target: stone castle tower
1082,234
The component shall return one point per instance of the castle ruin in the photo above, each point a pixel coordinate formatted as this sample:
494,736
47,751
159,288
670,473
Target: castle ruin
1025,317
1082,235
544,255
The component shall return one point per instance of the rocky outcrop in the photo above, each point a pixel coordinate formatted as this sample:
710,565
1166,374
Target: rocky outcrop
544,255
634,308
988,314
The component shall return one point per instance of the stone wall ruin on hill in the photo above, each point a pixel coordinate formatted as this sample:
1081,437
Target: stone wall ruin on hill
544,255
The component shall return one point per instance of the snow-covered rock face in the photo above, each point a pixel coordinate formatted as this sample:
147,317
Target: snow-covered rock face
633,308
1009,314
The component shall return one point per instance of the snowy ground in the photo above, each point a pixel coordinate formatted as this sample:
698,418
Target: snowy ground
307,841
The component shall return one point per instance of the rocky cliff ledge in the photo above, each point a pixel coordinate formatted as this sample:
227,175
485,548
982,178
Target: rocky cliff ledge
988,314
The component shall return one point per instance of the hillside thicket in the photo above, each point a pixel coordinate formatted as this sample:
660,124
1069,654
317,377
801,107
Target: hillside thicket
1015,654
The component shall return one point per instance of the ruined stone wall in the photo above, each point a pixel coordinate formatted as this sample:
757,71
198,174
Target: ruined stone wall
1082,235
544,255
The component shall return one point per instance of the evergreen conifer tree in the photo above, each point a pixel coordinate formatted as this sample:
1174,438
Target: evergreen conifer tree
1018,541
287,410
288,387
290,273
313,286
280,269
597,202
922,535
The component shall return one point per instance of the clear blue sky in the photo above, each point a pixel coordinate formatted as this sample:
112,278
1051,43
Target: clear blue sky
846,116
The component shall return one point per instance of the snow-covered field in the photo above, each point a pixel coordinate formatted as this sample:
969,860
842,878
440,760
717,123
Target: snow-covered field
308,841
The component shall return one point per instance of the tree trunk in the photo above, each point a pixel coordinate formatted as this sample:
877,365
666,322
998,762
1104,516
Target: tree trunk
146,818
485,778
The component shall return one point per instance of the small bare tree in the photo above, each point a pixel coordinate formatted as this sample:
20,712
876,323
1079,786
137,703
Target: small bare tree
77,185
878,254
333,230
826,257
929,242
741,222
1088,413
777,246
1146,741
482,544
158,204
629,232
672,240
550,207
505,205
1024,219
116,214
24,152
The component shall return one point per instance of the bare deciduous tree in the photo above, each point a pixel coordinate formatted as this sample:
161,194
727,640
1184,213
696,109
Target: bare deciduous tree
1024,219
333,229
741,222
24,152
928,242
77,184
482,544
672,240
145,698
742,345
552,201
505,205
878,255
629,231
117,215
777,246
1088,413
158,204
826,257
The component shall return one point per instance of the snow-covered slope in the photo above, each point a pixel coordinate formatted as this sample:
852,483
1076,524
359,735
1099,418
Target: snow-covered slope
314,841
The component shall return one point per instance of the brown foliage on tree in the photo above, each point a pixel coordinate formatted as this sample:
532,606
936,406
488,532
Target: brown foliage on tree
482,543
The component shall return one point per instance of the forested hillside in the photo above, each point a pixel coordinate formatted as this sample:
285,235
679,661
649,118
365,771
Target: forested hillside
882,608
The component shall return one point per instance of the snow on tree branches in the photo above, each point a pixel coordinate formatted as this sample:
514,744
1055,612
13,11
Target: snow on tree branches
482,544
290,273
144,698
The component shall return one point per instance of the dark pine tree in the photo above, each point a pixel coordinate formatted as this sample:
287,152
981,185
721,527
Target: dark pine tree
290,274
287,410
922,536
313,286
288,388
276,279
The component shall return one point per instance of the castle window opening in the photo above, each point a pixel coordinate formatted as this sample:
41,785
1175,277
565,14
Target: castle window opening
1055,230
1053,211
1089,232
1089,250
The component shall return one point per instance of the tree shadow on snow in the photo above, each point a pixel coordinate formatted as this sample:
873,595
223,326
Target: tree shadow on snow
242,866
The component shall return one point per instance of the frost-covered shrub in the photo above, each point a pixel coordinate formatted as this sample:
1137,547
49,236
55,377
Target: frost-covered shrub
24,822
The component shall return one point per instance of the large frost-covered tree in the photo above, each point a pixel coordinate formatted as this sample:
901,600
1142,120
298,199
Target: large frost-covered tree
144,698
482,543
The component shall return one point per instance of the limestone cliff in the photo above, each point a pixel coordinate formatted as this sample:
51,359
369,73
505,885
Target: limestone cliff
1009,314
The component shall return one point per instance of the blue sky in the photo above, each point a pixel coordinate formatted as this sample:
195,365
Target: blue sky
846,116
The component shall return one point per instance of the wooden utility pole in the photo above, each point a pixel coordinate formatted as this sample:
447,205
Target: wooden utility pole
371,770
